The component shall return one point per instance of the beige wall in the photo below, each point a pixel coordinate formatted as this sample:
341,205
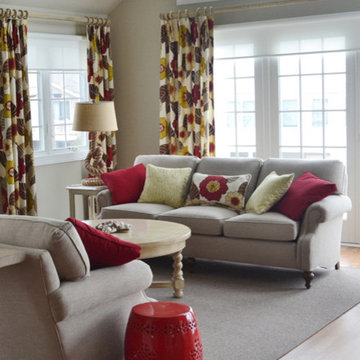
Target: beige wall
135,31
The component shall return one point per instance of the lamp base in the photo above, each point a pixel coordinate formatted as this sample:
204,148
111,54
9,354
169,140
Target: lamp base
92,182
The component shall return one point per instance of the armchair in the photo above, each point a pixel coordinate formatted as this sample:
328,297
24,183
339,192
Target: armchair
52,306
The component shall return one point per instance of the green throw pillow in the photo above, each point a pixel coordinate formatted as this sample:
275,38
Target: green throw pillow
165,185
269,192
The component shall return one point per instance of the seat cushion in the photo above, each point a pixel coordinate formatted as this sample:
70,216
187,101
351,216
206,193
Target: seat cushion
205,220
58,237
134,211
267,226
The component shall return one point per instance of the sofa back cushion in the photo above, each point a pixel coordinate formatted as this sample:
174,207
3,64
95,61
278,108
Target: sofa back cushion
232,166
330,170
58,237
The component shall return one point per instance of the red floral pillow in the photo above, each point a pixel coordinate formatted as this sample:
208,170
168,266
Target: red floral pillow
304,191
219,190
125,185
104,249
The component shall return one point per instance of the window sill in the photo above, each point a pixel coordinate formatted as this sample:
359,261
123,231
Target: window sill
63,157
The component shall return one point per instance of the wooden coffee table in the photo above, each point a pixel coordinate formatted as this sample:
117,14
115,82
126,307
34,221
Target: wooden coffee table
157,238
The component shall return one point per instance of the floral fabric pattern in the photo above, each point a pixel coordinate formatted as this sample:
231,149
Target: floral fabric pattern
101,83
218,190
17,176
187,125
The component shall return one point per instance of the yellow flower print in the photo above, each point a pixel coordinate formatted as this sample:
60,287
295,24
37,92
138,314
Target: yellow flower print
184,151
182,36
110,73
183,97
202,66
10,172
163,128
234,200
162,68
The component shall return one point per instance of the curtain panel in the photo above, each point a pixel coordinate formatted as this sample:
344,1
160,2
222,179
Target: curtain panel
187,125
101,84
17,174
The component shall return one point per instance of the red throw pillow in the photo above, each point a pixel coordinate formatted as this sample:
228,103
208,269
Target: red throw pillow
304,191
125,185
104,249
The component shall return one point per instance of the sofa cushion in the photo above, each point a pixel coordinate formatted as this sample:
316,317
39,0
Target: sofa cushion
232,166
228,191
58,237
267,226
165,185
304,191
206,220
125,185
105,249
271,189
134,211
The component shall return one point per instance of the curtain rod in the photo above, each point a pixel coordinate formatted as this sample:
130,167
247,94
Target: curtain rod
12,13
235,8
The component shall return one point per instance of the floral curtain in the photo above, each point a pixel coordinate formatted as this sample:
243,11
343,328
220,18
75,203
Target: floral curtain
101,83
186,86
17,175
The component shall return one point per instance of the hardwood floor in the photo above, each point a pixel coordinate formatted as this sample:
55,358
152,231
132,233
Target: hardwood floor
339,340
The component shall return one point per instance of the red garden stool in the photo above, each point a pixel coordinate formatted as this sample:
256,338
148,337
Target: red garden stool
162,331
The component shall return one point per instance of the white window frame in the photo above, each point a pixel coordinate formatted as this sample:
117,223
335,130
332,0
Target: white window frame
50,156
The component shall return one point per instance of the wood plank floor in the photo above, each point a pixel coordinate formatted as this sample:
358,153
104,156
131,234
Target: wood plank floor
339,340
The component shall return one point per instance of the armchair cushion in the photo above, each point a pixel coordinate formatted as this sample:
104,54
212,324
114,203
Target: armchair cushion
304,191
104,249
125,185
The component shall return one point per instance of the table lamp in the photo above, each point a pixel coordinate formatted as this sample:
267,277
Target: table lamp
93,117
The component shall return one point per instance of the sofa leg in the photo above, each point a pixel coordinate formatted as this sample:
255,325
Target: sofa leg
308,276
191,261
337,266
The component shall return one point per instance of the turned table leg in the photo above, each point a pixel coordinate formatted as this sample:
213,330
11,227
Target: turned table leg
178,278
308,276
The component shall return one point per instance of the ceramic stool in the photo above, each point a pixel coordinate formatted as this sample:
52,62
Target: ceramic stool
162,331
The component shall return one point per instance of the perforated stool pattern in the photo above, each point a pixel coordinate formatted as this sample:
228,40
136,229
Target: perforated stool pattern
163,331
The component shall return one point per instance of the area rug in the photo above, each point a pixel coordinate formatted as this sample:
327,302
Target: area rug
258,313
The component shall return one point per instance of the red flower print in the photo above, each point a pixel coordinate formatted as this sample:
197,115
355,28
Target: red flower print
196,93
212,187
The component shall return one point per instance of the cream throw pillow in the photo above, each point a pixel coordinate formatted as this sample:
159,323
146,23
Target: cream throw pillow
165,186
269,192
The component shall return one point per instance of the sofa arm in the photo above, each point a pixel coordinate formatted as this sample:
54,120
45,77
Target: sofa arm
102,286
103,199
325,210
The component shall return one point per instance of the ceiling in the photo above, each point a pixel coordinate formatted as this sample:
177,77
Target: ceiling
75,7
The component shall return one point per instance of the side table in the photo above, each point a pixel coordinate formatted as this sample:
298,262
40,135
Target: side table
89,194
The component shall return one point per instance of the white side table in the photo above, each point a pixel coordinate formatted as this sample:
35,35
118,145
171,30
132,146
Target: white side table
89,193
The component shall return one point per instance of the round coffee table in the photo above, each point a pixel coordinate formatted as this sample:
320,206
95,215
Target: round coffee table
157,238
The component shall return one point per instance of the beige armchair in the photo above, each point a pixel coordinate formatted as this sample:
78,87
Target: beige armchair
52,306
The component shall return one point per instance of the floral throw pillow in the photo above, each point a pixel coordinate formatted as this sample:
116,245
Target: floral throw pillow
218,190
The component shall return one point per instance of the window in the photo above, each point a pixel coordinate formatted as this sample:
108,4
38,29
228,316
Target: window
290,88
57,81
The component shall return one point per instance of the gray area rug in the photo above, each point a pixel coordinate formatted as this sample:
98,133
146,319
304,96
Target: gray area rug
258,313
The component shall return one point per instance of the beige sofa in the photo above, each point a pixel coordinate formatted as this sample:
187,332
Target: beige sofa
269,239
52,306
